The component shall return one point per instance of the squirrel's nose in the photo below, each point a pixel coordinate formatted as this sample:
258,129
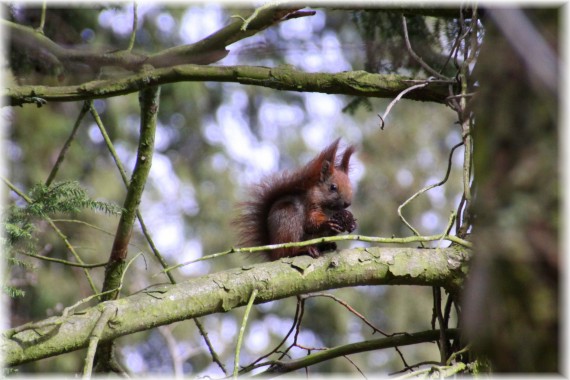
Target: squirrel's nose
346,204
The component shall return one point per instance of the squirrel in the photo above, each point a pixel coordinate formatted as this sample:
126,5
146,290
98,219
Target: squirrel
299,205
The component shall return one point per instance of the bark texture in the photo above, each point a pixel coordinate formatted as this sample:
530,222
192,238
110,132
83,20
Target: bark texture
223,291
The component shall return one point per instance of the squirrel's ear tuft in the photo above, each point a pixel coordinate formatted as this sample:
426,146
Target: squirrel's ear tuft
345,161
329,153
323,165
326,170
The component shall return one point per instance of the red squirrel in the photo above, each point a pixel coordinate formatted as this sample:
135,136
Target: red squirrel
299,205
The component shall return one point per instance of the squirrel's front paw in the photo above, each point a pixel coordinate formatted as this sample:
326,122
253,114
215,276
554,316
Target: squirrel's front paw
335,226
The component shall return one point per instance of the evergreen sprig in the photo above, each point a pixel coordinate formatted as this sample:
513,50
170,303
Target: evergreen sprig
66,197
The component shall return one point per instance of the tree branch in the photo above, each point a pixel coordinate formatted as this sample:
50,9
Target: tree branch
213,48
115,268
357,83
67,144
125,179
220,292
149,100
208,50
353,348
94,338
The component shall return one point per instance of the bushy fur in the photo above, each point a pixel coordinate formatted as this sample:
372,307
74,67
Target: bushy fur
297,205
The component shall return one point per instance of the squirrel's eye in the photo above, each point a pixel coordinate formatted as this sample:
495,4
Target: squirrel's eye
333,187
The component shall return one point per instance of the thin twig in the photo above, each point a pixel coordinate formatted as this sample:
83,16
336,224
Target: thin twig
86,224
426,67
370,239
467,162
42,17
309,349
108,142
297,328
396,99
458,219
444,180
213,353
443,341
67,144
462,27
301,304
152,246
466,119
276,349
458,96
451,99
71,249
18,192
177,356
135,24
474,26
448,227
64,262
456,45
355,366
242,330
172,347
94,338
349,308
125,179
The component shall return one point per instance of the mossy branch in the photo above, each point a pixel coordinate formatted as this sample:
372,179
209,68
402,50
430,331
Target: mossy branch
114,271
356,83
369,239
149,100
220,292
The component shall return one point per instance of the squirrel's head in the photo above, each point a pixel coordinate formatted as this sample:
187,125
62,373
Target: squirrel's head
335,189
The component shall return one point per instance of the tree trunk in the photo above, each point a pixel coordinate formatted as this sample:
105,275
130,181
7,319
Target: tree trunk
511,302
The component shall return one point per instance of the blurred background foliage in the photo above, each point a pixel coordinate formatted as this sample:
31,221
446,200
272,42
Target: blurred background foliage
215,139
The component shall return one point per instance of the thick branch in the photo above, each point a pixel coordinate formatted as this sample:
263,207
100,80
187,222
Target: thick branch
213,48
149,100
358,83
221,292
149,112
208,50
31,40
